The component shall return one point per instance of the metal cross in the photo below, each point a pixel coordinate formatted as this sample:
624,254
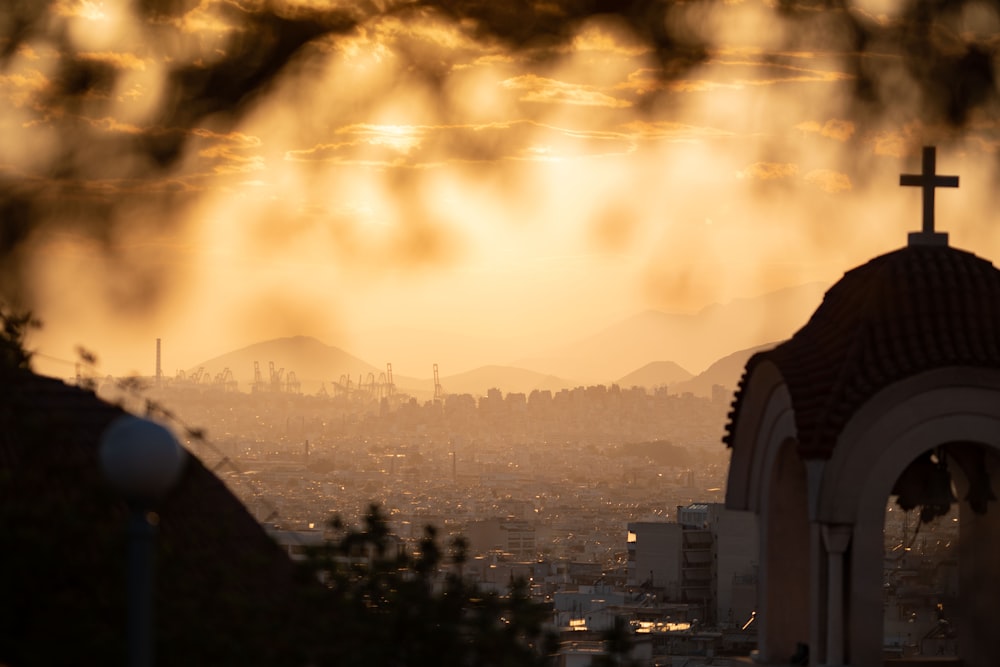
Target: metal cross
929,181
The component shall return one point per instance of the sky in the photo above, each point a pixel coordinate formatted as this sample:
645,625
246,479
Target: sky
502,176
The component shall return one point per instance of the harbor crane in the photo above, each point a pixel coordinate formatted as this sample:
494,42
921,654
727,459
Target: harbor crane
276,377
292,383
258,379
225,380
438,391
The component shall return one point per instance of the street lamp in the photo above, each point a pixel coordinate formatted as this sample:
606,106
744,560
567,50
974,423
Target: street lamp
142,460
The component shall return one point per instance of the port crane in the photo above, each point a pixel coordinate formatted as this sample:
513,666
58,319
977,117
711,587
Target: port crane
438,391
224,379
258,379
276,376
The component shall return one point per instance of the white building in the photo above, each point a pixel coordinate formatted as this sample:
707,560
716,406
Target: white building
654,556
709,557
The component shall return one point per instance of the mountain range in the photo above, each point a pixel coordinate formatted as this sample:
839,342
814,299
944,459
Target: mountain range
692,340
312,361
651,349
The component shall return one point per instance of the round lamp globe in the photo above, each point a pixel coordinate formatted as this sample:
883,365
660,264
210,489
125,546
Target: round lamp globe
141,458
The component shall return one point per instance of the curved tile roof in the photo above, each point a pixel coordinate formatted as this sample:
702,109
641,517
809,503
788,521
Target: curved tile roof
908,311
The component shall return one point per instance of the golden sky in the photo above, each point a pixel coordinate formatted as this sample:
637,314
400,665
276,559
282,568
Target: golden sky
219,172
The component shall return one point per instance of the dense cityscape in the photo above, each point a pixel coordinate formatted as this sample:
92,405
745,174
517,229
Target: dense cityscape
608,500
298,459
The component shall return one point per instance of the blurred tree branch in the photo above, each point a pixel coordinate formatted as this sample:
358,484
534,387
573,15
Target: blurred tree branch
14,354
381,606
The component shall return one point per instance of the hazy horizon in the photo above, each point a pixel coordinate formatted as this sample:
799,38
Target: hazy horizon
413,351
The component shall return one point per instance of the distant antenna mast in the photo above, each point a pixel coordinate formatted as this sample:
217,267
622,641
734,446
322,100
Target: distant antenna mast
159,368
388,379
438,393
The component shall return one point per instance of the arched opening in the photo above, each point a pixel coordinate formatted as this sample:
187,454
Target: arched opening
785,560
948,407
941,571
822,582
920,567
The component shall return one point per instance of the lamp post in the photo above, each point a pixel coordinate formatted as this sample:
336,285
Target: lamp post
142,460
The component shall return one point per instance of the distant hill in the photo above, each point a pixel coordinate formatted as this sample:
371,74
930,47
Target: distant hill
312,361
726,372
417,350
692,340
316,363
621,354
656,374
505,378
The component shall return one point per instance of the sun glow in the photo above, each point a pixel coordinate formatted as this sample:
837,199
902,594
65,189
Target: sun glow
403,169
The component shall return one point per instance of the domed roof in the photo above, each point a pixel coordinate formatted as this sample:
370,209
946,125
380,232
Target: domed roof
905,312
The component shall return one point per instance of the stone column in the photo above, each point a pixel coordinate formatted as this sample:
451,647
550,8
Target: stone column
817,596
836,538
817,565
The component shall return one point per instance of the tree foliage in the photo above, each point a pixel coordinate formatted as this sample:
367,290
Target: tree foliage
618,645
15,328
382,606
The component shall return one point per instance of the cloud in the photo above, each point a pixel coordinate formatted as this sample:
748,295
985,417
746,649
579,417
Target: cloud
828,180
897,143
840,130
87,9
607,37
750,69
122,61
673,131
550,91
424,146
765,72
368,144
225,151
769,171
23,88
551,81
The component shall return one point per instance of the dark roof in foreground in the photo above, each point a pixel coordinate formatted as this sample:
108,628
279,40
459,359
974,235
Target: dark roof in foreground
225,593
905,312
